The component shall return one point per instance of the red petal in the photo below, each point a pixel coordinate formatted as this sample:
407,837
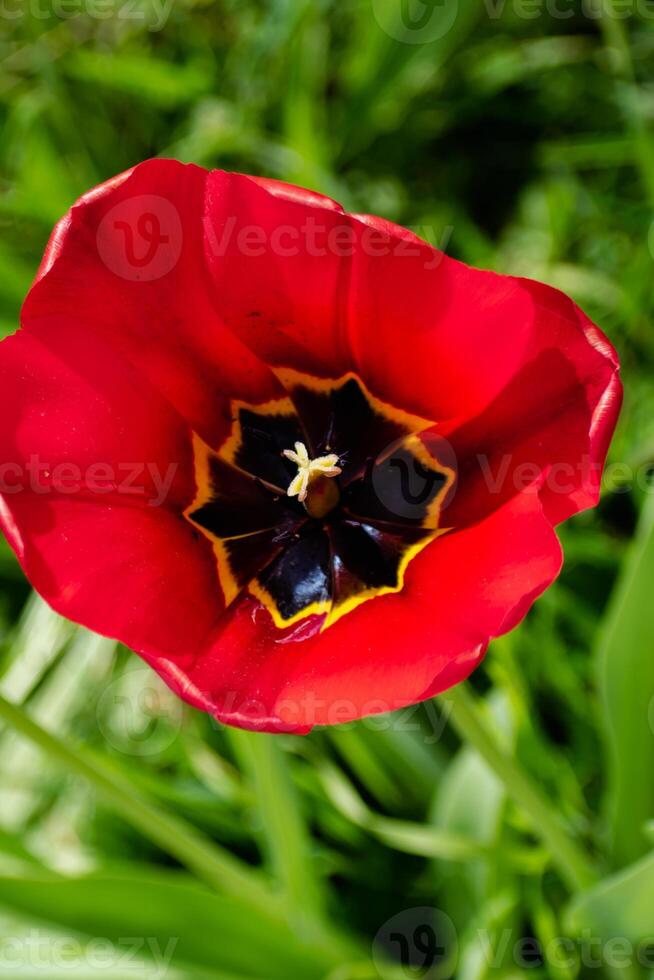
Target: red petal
98,526
79,420
392,651
291,192
511,370
141,575
309,287
127,263
552,421
278,259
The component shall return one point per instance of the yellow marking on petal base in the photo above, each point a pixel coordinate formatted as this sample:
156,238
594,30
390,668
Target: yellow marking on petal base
420,451
290,379
227,451
228,581
276,406
348,605
266,600
202,453
334,613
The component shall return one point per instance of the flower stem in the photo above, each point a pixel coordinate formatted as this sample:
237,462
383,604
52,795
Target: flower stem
466,716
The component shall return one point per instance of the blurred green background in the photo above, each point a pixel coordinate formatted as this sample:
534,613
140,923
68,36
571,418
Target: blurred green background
506,830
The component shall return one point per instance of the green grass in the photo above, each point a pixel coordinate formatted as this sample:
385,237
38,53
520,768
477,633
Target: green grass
521,806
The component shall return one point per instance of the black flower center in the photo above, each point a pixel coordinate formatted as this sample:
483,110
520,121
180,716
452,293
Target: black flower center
354,532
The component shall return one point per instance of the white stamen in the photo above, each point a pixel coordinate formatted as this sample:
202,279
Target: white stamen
325,465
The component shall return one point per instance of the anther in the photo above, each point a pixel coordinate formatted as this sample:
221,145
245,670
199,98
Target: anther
310,471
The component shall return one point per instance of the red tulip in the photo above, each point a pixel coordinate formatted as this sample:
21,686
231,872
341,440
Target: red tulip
300,461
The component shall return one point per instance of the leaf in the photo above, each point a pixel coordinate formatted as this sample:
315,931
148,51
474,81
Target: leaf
471,797
285,839
166,912
625,662
471,800
402,835
146,79
367,765
619,906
